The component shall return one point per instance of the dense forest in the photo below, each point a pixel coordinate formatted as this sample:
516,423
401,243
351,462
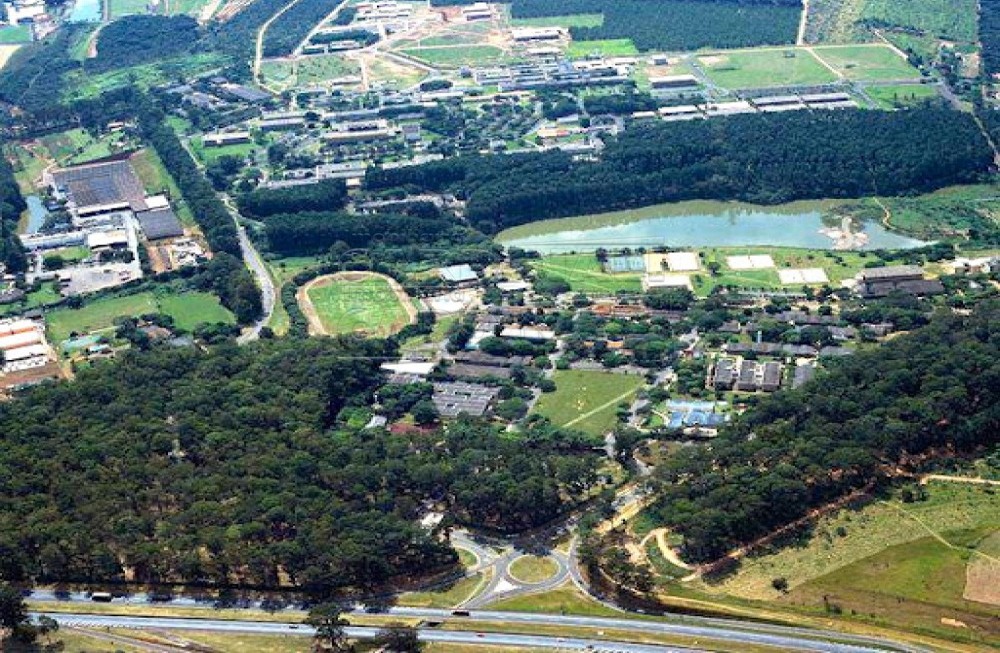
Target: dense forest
134,40
231,467
237,36
237,290
326,195
677,24
756,158
936,387
291,27
989,35
12,205
32,77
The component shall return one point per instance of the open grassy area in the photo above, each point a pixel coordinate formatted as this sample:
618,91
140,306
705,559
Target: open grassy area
437,334
347,306
211,154
446,597
571,20
867,62
900,96
948,19
323,68
155,179
247,643
587,401
470,55
15,34
566,599
761,68
392,72
533,569
81,85
605,48
46,294
282,270
188,310
584,274
78,642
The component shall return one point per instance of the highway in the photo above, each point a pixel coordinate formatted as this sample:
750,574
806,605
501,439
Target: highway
729,630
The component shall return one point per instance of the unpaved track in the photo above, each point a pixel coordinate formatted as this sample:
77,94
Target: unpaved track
316,327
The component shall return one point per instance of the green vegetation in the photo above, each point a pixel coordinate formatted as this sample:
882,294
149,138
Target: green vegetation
121,8
79,85
564,600
587,401
584,274
533,569
46,294
471,55
155,179
946,19
759,68
15,34
282,270
604,48
446,597
188,310
136,40
366,305
901,96
867,62
572,20
960,211
210,155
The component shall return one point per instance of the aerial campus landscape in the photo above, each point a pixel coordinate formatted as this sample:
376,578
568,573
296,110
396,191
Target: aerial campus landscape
468,327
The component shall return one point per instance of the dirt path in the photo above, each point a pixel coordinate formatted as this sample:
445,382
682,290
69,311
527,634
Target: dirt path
316,327
800,39
974,480
660,534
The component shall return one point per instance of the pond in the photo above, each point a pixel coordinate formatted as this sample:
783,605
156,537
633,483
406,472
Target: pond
707,224
36,214
86,11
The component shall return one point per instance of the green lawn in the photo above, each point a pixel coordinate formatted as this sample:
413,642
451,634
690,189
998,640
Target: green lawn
127,7
323,68
15,34
446,597
533,569
584,274
470,55
46,294
867,62
211,154
563,600
283,270
571,20
949,19
761,68
587,401
899,96
606,48
367,305
80,85
188,310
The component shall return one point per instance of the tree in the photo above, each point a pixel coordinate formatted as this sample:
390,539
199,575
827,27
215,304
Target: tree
329,623
424,412
14,616
780,583
397,638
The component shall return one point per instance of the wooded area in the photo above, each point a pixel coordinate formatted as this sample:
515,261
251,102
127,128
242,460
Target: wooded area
765,159
139,39
326,195
796,450
11,206
291,27
223,467
989,35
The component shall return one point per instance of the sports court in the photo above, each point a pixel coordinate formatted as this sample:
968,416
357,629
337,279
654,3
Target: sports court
802,276
750,262
622,264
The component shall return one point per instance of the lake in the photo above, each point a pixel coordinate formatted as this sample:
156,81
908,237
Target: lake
699,224
86,11
36,214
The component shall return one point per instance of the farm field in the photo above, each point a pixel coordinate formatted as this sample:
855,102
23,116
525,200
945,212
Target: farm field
80,85
899,96
867,62
188,310
584,274
572,20
471,55
760,68
606,48
587,401
946,19
354,302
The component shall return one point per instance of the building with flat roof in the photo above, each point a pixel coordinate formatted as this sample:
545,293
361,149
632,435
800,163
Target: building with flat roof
453,399
99,187
458,273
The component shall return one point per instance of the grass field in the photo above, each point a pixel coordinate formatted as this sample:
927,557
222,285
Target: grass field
367,305
572,20
563,600
246,643
447,597
46,294
867,62
761,68
584,274
15,34
606,48
533,569
75,642
127,7
948,19
188,310
323,68
6,52
587,401
470,55
900,96
80,85
211,154
155,179
282,270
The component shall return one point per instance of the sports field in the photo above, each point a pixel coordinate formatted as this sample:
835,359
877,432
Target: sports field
606,48
188,310
587,401
899,96
470,55
356,302
584,274
867,62
572,20
761,68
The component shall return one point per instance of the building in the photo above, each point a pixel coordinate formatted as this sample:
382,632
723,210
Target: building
528,333
97,188
879,282
802,375
458,274
532,34
724,375
747,375
674,82
160,223
221,139
453,399
367,130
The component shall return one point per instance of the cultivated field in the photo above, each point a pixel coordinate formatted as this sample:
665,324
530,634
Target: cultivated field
355,302
587,401
760,68
867,62
188,310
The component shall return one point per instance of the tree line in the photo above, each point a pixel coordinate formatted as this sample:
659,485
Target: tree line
938,386
233,467
12,205
291,27
139,39
236,287
325,195
766,159
989,35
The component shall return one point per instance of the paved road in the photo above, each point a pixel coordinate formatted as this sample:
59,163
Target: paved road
254,263
426,634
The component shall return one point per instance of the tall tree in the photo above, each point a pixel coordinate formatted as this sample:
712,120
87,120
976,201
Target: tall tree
328,620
